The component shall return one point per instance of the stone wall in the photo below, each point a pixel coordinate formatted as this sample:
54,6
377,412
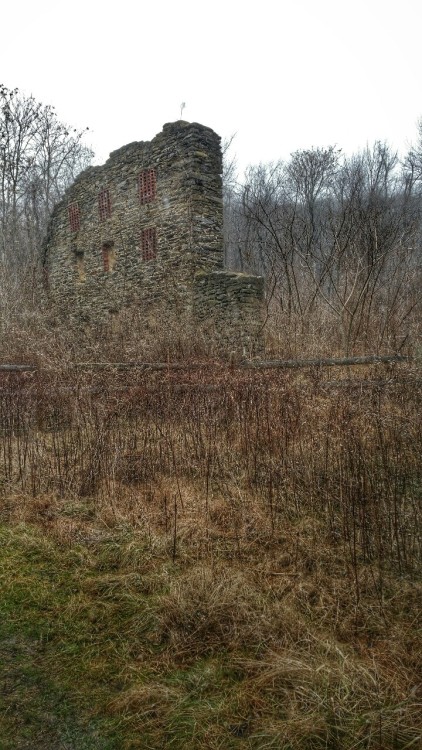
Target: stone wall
139,229
232,305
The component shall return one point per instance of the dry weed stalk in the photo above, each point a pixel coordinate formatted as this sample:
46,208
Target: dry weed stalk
268,518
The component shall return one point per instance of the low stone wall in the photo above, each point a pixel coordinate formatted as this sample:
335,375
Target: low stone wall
232,304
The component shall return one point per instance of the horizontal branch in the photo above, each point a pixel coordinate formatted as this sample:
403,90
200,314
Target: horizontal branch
328,362
248,364
18,368
138,365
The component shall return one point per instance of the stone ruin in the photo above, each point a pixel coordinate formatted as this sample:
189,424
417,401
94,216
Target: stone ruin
146,229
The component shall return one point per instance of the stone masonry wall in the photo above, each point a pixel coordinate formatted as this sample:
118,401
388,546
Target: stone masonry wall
232,304
139,229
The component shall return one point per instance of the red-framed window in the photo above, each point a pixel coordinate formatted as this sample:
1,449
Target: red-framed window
104,205
74,216
107,251
149,243
147,186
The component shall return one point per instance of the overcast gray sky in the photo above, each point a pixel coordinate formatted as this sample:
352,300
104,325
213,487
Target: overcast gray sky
283,75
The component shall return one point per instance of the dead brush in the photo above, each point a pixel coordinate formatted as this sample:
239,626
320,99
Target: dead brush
261,523
151,703
209,610
327,695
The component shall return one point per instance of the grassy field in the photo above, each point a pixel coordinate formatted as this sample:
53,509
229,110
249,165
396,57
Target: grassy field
211,559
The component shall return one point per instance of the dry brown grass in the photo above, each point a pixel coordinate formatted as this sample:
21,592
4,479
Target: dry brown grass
261,529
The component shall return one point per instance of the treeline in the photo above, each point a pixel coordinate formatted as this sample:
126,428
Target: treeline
339,242
39,157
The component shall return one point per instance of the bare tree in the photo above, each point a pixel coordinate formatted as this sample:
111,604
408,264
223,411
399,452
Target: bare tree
337,239
39,158
413,160
229,194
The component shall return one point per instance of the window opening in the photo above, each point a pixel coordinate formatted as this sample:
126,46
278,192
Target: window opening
104,205
147,186
149,243
74,216
109,256
80,265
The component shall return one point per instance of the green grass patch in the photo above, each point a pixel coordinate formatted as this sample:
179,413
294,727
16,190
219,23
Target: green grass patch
54,671
108,645
79,644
